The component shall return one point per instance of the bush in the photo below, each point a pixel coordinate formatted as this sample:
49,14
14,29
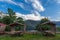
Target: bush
18,27
8,28
45,27
58,28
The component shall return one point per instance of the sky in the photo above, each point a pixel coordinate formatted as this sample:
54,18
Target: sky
33,9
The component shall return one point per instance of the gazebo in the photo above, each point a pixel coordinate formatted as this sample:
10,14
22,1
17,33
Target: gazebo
15,24
13,31
52,29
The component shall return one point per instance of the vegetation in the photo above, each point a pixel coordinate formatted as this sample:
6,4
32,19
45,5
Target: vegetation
11,18
0,19
44,20
20,20
58,28
30,37
43,26
8,28
6,20
18,27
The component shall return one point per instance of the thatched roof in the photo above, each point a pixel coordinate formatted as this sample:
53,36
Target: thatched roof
16,23
49,23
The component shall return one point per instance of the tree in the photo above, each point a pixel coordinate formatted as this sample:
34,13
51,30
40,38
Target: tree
12,19
6,20
38,27
11,12
44,27
0,19
20,20
44,20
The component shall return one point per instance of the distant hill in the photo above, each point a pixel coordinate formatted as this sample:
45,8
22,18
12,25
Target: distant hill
31,24
57,23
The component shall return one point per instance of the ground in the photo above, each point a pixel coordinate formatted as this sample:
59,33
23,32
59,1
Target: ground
30,37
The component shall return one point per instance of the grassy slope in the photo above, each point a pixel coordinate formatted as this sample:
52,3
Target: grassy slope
30,37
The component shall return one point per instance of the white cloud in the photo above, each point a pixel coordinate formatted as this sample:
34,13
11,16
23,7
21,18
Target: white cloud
12,2
58,16
57,1
35,15
29,16
36,4
9,1
55,17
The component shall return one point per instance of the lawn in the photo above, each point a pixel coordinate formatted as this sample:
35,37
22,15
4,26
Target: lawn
30,37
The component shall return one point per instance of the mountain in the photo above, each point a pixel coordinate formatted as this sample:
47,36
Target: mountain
31,24
57,23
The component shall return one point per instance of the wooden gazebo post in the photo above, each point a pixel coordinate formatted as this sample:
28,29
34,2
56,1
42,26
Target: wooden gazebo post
24,28
53,28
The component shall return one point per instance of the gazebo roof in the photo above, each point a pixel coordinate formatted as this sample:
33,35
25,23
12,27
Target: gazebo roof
16,23
49,23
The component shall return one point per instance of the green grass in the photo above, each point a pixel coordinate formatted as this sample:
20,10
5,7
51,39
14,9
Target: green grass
30,37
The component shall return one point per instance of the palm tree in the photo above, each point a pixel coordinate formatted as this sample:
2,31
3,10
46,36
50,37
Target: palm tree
8,19
11,12
13,17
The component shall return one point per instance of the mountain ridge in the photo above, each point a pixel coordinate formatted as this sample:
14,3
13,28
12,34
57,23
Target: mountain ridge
31,24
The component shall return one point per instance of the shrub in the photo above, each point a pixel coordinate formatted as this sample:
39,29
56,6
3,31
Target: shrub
8,28
18,27
45,27
58,28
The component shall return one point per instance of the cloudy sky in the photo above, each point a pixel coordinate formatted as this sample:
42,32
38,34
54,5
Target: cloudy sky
33,9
